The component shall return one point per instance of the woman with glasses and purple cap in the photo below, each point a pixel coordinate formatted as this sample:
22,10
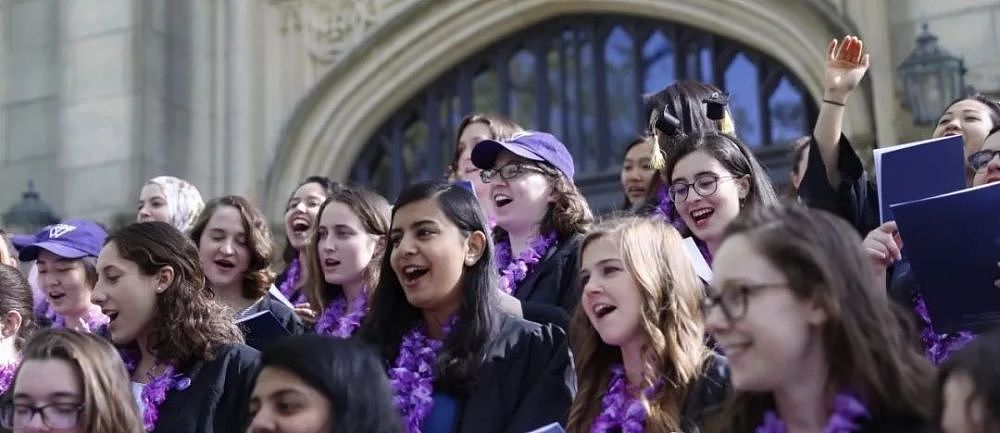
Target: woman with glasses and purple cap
66,257
540,220
810,343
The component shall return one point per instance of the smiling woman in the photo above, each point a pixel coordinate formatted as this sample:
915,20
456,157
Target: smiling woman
437,324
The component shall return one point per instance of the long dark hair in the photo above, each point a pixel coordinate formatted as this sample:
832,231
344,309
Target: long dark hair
867,348
258,276
187,323
329,186
392,315
977,362
16,295
344,371
373,211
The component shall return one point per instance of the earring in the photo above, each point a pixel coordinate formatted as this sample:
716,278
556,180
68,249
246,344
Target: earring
160,289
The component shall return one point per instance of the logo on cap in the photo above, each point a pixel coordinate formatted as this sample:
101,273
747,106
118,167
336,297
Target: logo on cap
56,231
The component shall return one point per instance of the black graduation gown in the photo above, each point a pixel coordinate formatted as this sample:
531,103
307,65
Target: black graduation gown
285,315
705,399
550,293
855,199
216,400
526,382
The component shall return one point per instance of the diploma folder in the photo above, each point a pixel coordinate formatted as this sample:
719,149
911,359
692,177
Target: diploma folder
953,244
551,428
918,170
261,328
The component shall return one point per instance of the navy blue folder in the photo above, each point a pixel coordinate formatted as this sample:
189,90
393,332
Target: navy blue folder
918,170
261,328
953,244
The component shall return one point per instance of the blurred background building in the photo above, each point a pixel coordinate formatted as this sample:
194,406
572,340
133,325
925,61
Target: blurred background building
250,96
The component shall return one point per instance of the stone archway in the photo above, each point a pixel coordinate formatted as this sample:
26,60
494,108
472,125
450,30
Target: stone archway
408,51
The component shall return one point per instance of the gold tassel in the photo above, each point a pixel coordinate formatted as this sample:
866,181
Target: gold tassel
727,124
656,160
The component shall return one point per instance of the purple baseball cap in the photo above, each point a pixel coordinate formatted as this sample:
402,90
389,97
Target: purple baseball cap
71,239
533,145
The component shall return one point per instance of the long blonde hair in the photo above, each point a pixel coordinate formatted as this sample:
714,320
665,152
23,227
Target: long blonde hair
674,353
108,406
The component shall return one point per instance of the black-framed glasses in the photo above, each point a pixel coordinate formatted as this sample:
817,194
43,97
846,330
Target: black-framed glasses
705,185
54,415
510,171
733,299
981,159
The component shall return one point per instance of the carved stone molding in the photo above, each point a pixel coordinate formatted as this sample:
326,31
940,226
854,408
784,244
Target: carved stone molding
331,28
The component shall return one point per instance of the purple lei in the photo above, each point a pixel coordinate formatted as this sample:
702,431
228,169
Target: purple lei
846,411
665,210
937,347
287,287
513,271
340,319
155,392
412,378
93,319
620,412
7,375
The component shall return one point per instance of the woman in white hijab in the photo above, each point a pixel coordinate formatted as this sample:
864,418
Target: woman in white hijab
170,200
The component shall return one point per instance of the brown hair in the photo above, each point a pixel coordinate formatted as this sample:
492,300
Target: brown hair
258,277
373,211
187,323
674,350
977,362
501,128
108,406
567,215
867,348
16,295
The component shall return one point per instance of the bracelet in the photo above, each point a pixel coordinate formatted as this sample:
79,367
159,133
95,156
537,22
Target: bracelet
839,104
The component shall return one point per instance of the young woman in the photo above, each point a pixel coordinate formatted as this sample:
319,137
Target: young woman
66,257
312,384
17,322
234,244
471,130
344,258
300,223
70,382
171,200
640,332
188,369
811,344
968,388
835,179
456,362
637,171
712,178
540,220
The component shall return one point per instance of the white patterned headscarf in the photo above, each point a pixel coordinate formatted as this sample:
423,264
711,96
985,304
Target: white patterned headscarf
183,200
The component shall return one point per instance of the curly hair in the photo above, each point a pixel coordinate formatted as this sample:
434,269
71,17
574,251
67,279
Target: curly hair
258,277
653,255
108,405
16,295
187,323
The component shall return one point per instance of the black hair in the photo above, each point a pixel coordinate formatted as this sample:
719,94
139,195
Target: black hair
978,362
392,316
344,371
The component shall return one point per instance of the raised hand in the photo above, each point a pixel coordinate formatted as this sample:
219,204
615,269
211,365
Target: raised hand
846,64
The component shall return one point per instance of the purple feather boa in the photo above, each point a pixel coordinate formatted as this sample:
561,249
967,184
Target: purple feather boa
847,411
155,391
620,412
7,376
412,378
340,319
287,288
937,347
513,271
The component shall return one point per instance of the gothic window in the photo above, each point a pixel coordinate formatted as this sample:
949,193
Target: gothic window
583,78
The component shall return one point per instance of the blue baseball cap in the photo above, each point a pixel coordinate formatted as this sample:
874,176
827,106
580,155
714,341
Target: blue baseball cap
70,239
533,145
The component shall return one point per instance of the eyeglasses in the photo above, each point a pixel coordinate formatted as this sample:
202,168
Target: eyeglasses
55,415
510,171
733,300
705,185
980,159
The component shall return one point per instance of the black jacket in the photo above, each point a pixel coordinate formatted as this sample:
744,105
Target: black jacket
550,293
705,399
526,382
855,199
216,400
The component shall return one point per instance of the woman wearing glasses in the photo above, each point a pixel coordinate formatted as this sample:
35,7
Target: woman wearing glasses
70,382
810,345
540,218
640,334
713,177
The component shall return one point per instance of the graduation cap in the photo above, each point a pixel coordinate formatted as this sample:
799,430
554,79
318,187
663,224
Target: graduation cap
669,126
